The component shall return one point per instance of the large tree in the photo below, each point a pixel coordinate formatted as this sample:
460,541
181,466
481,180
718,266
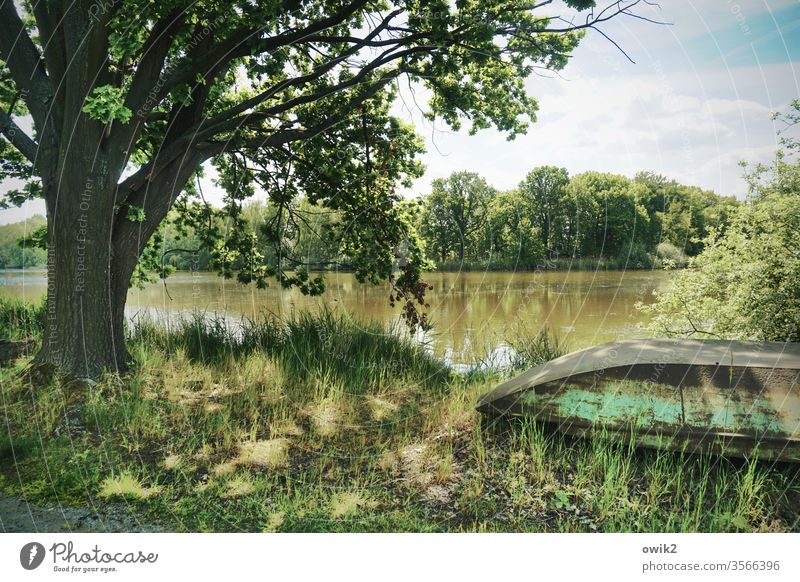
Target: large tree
513,238
543,190
127,99
454,211
610,216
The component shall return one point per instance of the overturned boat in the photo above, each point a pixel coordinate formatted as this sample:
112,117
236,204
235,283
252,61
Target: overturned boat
725,397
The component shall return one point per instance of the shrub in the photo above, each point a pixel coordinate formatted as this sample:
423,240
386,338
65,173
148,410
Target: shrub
746,282
635,257
671,255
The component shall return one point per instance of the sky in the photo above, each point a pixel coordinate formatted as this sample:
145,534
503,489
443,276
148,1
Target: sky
696,102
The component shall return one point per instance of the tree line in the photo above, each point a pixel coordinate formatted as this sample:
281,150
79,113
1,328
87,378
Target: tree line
550,220
551,217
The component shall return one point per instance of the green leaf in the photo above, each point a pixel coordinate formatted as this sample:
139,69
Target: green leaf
106,104
135,214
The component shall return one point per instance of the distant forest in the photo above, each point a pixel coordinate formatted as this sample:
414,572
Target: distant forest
550,220
15,254
553,220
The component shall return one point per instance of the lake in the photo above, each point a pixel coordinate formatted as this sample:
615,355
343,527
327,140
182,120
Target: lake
471,312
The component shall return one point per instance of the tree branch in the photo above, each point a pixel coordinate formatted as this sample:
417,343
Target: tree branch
25,63
238,44
301,80
152,61
194,135
52,41
291,135
18,138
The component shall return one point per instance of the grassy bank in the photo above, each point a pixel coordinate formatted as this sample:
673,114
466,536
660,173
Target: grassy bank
322,423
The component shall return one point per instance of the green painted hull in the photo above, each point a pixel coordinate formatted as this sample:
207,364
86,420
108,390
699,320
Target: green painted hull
696,402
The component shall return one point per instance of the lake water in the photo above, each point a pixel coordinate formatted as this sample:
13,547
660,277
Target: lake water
472,312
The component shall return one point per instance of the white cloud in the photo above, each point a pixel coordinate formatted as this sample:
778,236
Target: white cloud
692,128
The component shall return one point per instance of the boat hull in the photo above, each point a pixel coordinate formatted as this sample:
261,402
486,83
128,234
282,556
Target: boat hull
740,410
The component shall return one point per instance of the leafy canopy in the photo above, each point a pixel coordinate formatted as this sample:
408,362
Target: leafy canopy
291,99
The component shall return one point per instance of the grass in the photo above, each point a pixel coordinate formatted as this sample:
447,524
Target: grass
125,485
323,423
528,351
20,319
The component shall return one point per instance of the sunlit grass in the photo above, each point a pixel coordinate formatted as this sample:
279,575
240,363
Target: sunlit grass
348,504
238,487
269,454
283,428
126,485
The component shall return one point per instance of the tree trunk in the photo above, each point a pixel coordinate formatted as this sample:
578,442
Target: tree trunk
86,284
84,324
93,249
546,232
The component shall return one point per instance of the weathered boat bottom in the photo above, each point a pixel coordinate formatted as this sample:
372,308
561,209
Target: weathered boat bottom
732,398
688,442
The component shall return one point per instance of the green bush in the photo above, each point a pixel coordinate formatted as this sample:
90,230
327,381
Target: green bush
671,255
746,283
636,257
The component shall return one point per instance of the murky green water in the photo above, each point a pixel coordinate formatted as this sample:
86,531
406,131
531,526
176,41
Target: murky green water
471,312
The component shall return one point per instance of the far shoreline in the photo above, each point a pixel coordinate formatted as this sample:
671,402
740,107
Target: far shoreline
573,265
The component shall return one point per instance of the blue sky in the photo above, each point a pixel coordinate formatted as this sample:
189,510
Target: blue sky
698,101
758,36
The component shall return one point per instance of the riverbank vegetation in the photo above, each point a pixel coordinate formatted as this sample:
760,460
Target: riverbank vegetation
550,221
325,423
745,284
15,253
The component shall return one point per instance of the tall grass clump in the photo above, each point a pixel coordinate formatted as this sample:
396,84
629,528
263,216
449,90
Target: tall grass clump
20,318
359,353
533,349
309,345
205,339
